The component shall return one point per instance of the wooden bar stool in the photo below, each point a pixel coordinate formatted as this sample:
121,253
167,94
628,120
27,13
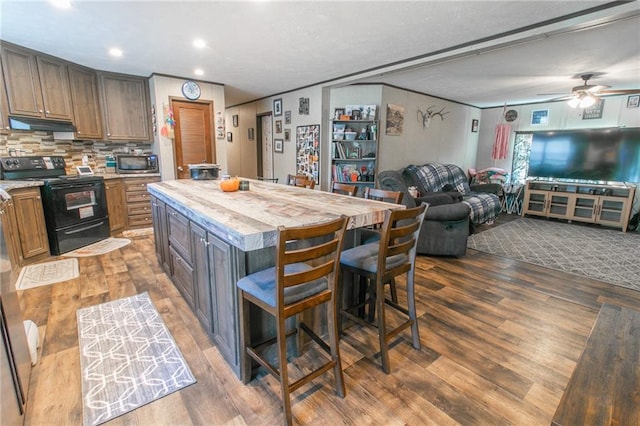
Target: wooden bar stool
305,275
344,189
380,262
383,195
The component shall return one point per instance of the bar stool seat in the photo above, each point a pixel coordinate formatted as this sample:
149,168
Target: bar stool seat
379,263
305,276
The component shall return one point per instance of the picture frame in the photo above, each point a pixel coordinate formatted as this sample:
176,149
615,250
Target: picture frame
594,111
633,101
251,133
540,117
229,137
235,120
287,135
303,106
278,145
474,125
278,126
287,117
338,113
277,107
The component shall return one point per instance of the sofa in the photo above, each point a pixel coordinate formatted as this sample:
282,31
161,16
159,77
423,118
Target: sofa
445,185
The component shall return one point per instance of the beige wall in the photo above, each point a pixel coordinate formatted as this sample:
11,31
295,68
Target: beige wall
163,87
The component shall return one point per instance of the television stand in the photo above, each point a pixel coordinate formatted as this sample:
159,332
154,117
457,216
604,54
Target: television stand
608,205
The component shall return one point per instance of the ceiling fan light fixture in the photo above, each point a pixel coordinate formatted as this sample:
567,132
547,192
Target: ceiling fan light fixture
574,102
587,101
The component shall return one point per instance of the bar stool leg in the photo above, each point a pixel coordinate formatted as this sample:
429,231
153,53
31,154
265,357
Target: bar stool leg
415,334
332,327
284,373
245,341
382,327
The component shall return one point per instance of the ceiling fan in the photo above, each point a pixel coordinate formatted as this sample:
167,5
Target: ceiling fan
586,94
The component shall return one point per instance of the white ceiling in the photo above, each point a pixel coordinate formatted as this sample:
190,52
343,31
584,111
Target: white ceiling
481,53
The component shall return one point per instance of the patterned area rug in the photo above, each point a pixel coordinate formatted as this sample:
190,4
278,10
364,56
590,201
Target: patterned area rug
47,273
101,247
128,358
603,254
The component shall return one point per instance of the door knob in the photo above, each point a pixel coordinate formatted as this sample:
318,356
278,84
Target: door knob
180,169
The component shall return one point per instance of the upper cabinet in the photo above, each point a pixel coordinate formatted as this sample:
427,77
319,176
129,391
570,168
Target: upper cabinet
125,106
4,110
86,103
37,86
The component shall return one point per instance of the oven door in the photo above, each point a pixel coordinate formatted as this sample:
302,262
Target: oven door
74,203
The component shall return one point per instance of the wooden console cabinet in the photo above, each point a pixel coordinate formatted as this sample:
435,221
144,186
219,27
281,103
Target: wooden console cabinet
608,205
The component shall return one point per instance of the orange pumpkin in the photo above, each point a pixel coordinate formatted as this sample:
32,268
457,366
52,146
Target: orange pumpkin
230,185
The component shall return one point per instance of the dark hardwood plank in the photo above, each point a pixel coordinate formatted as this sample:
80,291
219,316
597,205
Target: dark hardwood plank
500,341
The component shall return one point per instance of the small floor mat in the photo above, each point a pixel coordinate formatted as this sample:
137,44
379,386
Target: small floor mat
47,273
101,247
137,232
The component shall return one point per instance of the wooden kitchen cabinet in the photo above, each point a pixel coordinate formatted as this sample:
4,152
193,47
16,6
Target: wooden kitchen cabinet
180,255
160,233
125,106
114,190
28,217
4,110
87,115
138,201
37,86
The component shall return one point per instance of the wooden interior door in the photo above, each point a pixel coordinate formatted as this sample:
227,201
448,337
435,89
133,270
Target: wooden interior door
193,141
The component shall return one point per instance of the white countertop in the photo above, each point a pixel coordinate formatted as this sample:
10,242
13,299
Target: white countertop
249,219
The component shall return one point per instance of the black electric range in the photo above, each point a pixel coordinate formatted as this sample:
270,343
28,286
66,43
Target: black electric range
75,207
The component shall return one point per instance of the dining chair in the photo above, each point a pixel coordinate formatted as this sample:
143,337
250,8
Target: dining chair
301,181
383,195
305,276
344,189
381,262
264,179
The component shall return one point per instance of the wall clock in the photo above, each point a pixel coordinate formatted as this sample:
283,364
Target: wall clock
191,90
511,115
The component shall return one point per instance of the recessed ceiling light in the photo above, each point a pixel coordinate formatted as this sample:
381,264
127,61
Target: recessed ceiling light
198,71
61,4
199,43
114,51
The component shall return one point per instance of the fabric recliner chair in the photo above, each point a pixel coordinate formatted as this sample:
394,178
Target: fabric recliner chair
446,224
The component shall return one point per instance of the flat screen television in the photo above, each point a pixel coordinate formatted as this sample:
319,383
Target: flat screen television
609,155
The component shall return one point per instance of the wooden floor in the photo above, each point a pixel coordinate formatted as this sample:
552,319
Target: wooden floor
500,339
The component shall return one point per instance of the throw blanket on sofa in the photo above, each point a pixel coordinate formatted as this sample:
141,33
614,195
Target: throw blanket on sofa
433,177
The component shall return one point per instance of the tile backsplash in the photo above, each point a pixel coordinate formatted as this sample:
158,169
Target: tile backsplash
43,143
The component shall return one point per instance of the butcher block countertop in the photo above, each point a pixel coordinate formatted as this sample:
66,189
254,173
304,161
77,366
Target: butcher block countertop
249,219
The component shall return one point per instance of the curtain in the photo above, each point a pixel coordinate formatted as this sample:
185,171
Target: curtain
501,144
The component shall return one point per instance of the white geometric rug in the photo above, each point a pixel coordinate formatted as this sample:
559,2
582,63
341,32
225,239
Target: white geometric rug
603,254
47,273
101,247
128,358
129,233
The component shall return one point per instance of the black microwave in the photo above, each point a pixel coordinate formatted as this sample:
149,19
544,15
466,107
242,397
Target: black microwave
133,164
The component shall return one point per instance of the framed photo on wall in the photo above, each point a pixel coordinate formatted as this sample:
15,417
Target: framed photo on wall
278,145
539,117
474,125
235,120
278,126
594,111
287,135
229,137
633,101
287,117
277,107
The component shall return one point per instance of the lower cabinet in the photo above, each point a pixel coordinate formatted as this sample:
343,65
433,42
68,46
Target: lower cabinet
138,201
25,221
204,269
115,204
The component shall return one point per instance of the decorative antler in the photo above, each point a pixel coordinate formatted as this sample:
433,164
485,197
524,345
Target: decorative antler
429,114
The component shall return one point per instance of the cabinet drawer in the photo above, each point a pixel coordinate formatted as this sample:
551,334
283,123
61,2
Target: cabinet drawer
182,275
139,184
138,197
139,221
135,209
178,230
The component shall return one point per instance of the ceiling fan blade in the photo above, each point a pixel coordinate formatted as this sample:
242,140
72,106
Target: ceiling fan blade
619,92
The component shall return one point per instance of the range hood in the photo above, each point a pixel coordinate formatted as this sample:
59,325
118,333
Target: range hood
29,123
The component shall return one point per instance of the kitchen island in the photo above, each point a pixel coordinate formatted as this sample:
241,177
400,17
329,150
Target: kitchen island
207,239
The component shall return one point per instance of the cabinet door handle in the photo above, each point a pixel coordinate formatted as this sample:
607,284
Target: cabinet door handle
204,242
